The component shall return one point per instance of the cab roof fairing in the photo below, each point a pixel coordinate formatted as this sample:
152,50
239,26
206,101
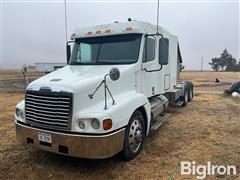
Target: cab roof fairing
119,28
140,27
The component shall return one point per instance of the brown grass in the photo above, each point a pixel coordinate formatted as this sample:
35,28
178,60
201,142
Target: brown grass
205,82
208,120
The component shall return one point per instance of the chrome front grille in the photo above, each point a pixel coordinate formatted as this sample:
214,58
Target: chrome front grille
48,109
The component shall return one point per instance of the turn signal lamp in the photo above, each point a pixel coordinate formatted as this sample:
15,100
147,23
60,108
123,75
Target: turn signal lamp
107,124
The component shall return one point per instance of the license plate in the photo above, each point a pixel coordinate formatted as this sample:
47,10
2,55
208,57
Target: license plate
44,137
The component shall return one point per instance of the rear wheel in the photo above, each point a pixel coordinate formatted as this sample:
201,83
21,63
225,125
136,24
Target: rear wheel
185,96
190,95
134,136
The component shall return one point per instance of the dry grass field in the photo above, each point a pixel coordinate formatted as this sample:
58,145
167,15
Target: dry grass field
208,129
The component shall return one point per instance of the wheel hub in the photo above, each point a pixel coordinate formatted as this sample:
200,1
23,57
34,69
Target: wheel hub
135,135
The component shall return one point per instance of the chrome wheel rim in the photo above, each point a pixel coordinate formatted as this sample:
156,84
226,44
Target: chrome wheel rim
135,135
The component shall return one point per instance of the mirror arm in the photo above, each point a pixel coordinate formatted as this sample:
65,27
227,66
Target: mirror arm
92,94
106,89
161,66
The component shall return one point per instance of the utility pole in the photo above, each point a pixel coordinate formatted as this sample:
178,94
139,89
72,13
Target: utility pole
202,64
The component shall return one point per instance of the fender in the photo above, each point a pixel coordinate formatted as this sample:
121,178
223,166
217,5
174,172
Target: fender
125,106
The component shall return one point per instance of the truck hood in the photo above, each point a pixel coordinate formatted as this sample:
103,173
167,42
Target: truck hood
77,79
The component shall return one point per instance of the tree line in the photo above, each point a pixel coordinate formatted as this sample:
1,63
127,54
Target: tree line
226,62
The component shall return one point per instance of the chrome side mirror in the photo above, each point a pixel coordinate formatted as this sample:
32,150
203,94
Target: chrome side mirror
114,74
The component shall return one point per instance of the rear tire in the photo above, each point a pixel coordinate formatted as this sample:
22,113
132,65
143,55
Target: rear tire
185,96
190,94
134,136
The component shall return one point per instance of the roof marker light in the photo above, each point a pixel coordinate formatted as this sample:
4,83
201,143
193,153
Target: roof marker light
108,31
129,29
98,32
89,33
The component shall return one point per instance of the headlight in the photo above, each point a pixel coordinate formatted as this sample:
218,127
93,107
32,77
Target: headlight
95,124
19,113
81,124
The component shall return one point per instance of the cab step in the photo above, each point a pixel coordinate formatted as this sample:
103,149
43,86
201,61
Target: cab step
178,103
158,121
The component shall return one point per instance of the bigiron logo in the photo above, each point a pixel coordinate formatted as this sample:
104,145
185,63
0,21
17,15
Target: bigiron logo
201,171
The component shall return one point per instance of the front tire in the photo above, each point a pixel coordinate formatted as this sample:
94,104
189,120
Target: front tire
134,136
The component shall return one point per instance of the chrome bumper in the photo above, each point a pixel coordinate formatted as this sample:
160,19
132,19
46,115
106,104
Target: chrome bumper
83,146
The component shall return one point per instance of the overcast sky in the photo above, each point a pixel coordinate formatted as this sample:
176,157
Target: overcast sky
35,32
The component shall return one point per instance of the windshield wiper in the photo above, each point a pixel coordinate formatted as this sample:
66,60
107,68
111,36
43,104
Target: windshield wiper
95,63
82,63
107,62
76,63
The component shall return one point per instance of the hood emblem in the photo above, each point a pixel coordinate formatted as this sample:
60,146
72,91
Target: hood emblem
55,79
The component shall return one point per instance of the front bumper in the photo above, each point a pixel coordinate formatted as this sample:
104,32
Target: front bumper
83,146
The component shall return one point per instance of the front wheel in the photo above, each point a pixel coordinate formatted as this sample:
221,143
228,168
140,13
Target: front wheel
134,136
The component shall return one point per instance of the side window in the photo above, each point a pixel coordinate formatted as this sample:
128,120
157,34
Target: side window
149,47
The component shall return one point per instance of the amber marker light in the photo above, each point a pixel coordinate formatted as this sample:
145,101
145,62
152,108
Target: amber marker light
107,124
108,30
98,32
129,28
89,33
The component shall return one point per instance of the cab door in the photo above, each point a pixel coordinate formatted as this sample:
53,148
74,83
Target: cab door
149,65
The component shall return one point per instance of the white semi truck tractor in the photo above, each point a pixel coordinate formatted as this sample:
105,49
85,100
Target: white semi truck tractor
118,82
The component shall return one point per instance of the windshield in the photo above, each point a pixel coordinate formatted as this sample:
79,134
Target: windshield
116,49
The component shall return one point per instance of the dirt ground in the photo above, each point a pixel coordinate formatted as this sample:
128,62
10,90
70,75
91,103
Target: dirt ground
208,129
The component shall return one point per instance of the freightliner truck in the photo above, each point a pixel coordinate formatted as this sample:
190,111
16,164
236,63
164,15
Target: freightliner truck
115,89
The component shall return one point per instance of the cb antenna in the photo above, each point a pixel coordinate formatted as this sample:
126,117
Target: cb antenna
157,15
65,8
